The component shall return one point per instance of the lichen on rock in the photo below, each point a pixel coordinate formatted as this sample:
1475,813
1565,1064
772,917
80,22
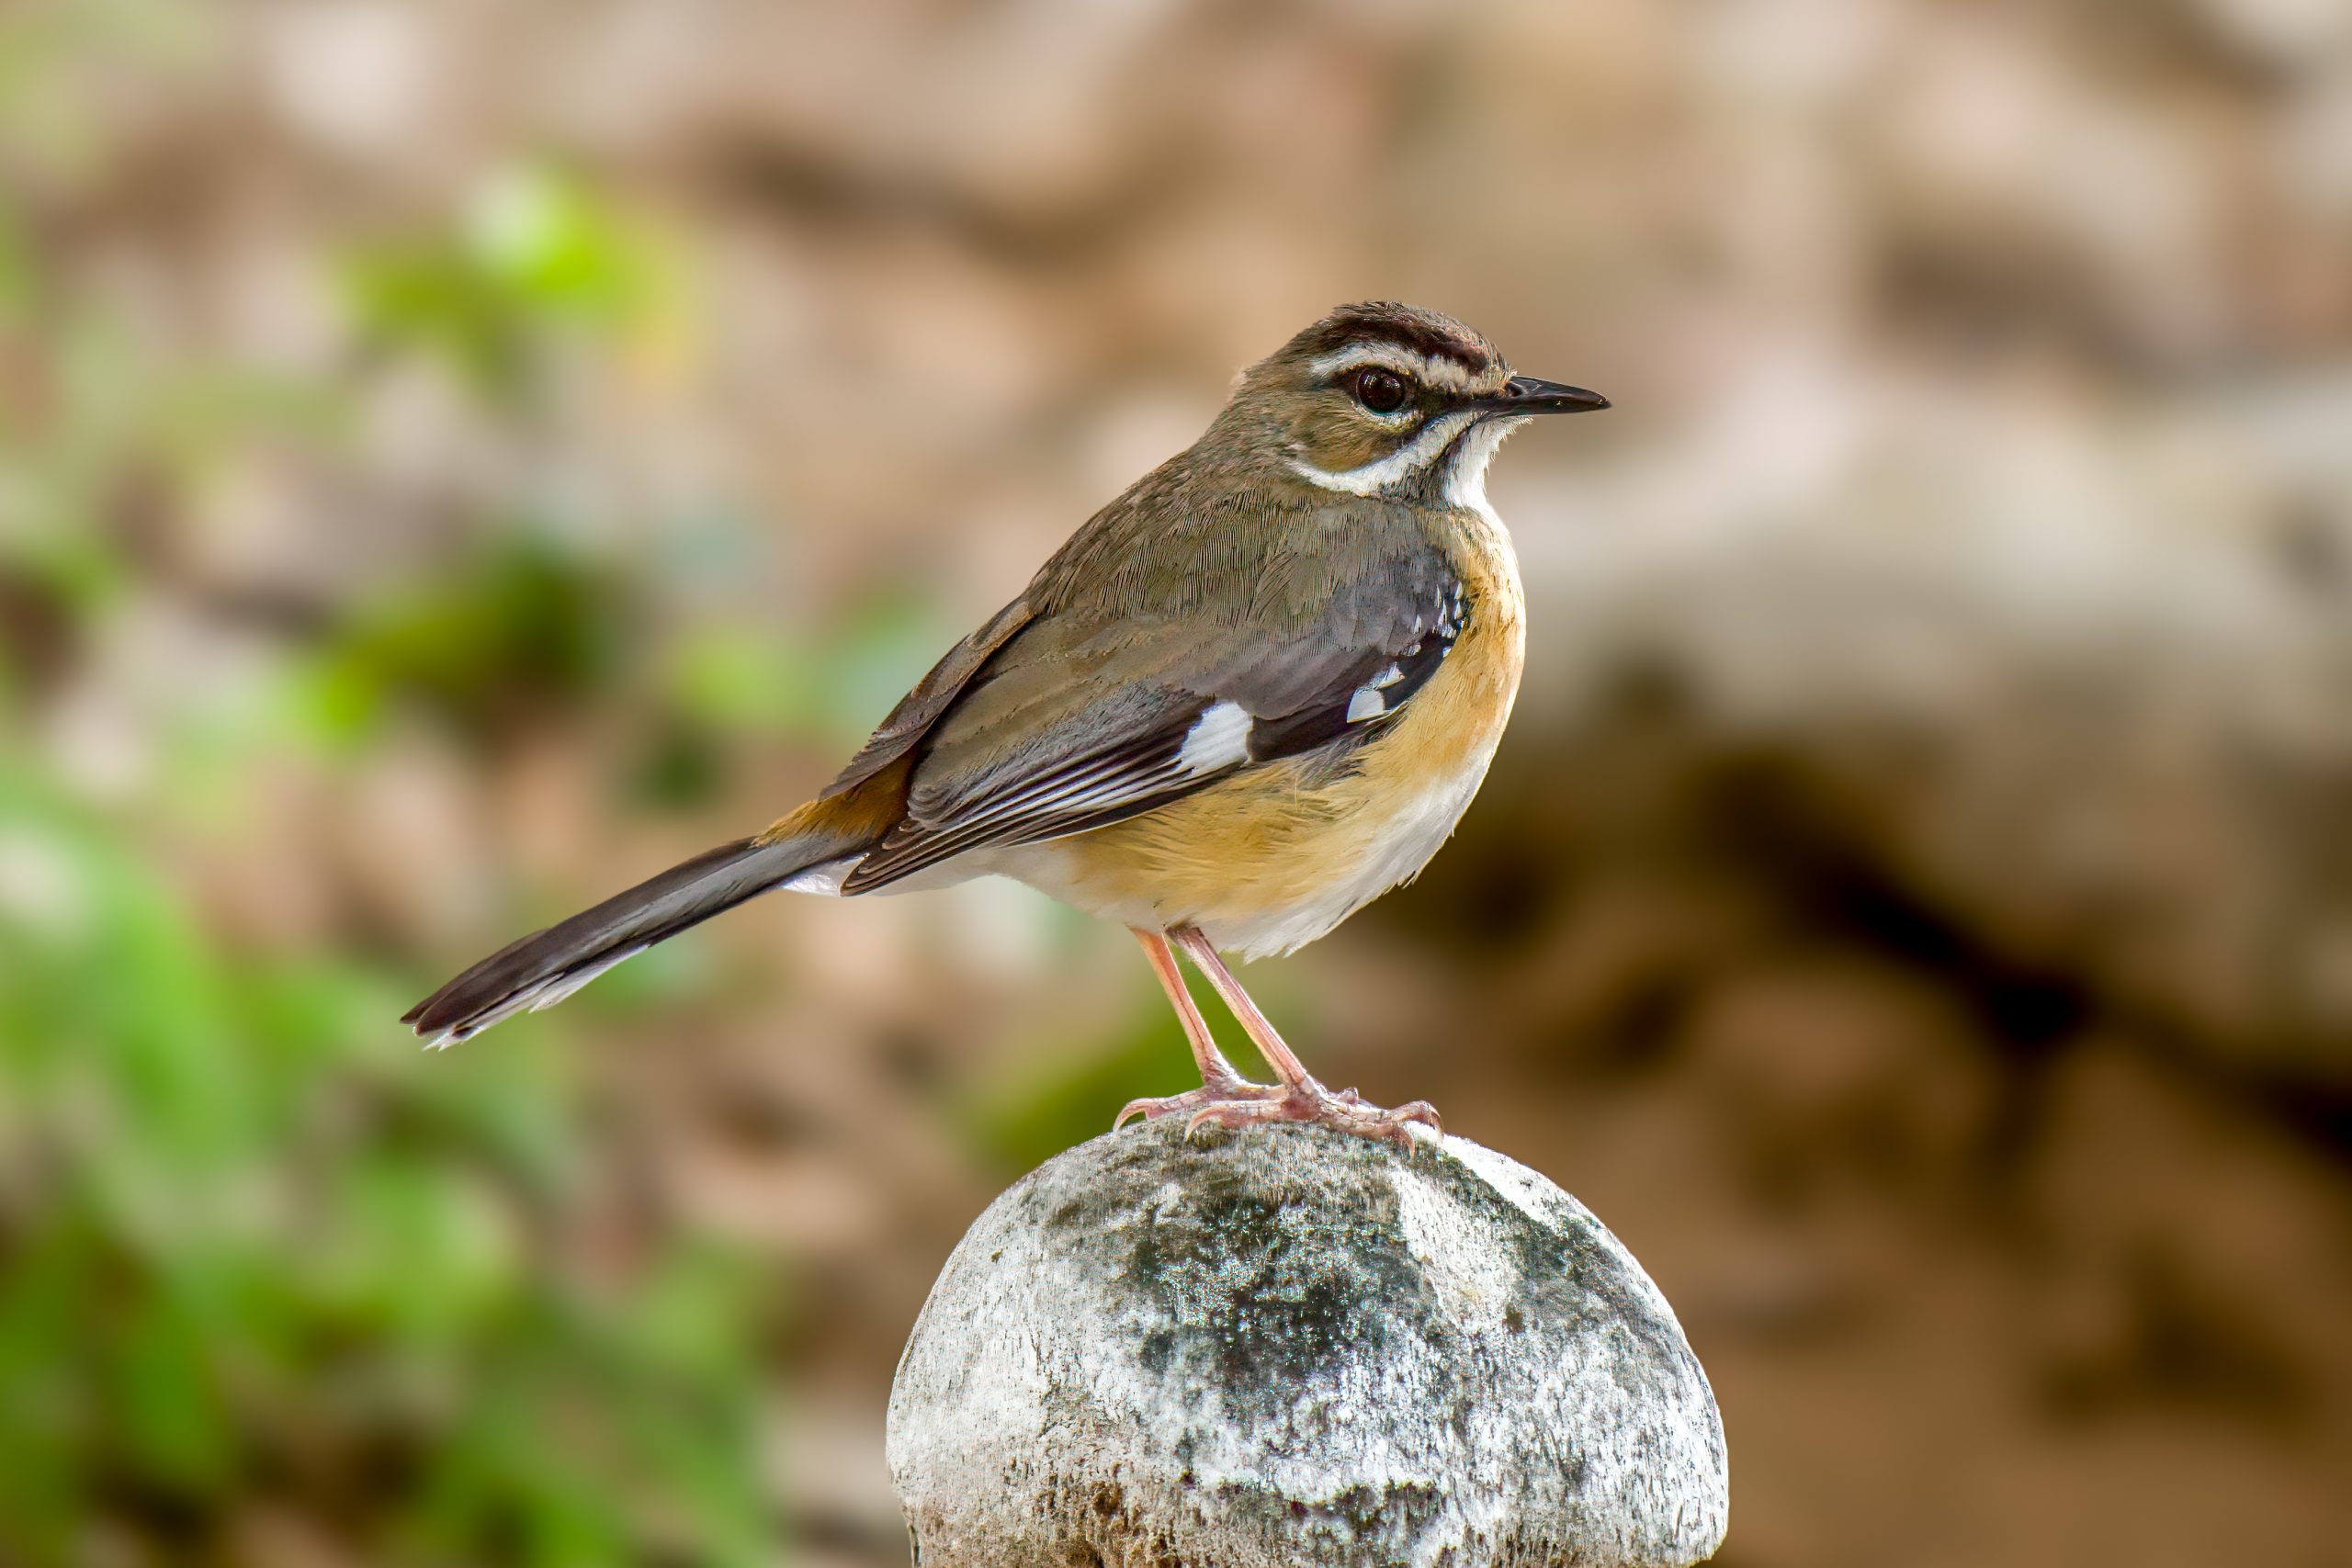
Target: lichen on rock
1288,1347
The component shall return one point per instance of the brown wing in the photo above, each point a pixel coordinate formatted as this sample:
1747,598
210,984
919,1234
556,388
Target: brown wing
921,707
1077,722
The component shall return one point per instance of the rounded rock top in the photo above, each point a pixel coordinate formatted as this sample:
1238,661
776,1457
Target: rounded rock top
1286,1346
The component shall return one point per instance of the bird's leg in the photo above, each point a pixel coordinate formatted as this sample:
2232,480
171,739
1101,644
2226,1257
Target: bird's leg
1300,1097
1220,1083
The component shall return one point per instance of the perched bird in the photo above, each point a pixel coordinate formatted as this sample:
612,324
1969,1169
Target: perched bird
1247,697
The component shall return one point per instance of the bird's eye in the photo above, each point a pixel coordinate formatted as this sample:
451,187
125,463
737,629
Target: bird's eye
1382,391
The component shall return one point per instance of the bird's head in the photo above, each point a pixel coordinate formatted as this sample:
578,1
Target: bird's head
1390,401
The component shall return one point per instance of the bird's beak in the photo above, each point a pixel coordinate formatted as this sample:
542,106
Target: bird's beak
1530,394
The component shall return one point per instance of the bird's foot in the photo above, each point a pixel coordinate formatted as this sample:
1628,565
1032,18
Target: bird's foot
1311,1103
1194,1101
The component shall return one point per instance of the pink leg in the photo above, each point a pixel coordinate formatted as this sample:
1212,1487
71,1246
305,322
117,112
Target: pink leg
1302,1099
1220,1084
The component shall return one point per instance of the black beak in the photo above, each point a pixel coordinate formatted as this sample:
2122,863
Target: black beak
1527,394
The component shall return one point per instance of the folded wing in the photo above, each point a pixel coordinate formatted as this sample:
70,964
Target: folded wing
1073,727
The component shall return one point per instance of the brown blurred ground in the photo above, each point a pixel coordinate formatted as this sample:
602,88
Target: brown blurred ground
1914,907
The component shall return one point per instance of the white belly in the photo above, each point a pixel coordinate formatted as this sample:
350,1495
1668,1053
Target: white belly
1414,835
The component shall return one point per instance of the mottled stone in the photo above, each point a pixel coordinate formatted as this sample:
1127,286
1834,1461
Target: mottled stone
1288,1347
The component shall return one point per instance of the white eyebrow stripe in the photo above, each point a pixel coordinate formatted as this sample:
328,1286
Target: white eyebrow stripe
1430,371
1372,477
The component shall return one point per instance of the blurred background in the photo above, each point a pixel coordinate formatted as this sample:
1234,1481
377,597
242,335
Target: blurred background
458,457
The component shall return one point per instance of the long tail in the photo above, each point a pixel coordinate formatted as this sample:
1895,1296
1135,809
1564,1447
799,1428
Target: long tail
547,966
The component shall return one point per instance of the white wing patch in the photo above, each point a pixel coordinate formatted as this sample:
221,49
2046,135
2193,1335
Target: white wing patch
1453,612
1368,700
824,878
1219,738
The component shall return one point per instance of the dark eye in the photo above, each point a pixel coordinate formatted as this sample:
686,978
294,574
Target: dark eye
1382,391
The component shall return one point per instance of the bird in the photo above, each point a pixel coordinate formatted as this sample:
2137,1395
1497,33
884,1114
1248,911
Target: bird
1251,694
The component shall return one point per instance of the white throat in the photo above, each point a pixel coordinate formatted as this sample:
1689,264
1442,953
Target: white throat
1466,475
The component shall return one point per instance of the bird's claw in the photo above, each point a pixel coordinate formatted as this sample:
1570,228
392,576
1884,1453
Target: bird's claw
1209,1095
1311,1104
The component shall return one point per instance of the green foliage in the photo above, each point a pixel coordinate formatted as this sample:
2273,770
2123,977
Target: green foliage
514,635
833,683
1070,1094
53,51
243,1242
1068,1098
259,1256
536,257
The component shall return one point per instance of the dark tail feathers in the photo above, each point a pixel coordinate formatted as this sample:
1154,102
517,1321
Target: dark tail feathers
547,966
